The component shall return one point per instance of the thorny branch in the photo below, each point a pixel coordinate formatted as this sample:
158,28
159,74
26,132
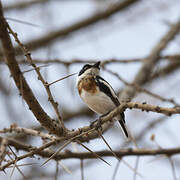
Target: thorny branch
85,133
146,107
83,155
108,117
119,154
40,77
27,131
3,146
21,83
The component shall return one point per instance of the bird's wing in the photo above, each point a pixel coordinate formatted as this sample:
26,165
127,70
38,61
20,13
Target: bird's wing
105,87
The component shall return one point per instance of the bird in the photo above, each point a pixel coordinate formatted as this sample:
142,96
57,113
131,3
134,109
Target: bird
97,93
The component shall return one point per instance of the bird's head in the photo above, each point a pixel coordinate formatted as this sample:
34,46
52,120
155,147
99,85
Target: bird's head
90,69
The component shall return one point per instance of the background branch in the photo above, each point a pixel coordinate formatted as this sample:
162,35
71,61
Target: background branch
121,35
21,83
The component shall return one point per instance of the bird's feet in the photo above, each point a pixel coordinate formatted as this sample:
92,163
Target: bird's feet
98,122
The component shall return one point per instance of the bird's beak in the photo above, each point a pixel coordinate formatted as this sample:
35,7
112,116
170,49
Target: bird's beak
96,65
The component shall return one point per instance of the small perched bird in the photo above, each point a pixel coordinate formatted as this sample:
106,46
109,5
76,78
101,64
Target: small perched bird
97,93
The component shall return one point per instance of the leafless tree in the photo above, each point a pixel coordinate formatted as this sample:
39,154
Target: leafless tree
44,122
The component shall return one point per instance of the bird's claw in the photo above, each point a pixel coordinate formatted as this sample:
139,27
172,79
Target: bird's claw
97,124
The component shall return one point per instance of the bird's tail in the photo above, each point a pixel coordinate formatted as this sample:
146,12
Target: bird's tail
123,125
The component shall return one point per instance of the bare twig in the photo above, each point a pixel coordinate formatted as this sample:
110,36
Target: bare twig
40,77
82,61
27,132
88,132
32,69
67,62
119,159
136,167
121,153
65,168
65,144
87,155
116,170
171,67
94,153
3,149
53,36
57,171
144,73
173,168
157,109
109,147
60,79
149,127
82,169
15,165
22,22
140,89
21,83
60,149
32,152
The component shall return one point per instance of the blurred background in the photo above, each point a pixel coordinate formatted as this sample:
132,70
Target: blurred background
62,36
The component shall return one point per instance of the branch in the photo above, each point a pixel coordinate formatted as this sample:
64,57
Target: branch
91,132
140,89
36,150
3,146
172,66
152,108
119,154
29,154
41,116
67,62
21,83
40,77
82,61
87,155
144,73
22,5
53,36
26,131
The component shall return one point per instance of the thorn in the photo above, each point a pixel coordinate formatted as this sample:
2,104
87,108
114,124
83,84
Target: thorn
92,152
